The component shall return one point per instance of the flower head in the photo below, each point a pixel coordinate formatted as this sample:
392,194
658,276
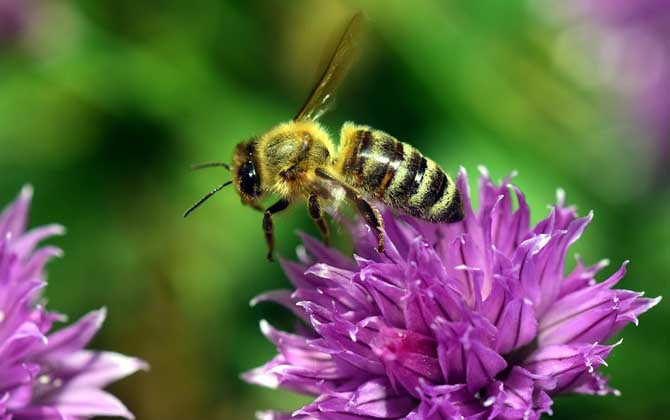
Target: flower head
14,19
43,374
474,320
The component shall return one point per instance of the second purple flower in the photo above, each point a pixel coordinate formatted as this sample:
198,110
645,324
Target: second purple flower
47,375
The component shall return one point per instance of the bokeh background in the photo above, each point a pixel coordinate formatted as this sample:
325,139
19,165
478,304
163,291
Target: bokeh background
104,104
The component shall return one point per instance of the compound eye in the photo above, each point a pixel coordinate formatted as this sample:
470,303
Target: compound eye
249,180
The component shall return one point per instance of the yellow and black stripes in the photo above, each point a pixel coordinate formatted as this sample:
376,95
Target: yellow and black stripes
397,174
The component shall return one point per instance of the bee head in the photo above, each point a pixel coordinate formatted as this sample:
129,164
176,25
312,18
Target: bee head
245,174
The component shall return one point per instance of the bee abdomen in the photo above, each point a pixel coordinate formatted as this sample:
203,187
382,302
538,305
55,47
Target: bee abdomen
398,175
421,188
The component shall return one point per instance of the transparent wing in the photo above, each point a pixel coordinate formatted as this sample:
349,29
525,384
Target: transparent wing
346,51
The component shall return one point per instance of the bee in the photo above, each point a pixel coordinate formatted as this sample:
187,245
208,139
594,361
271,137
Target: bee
297,160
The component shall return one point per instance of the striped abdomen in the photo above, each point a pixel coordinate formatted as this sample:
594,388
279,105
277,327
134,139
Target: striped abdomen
397,174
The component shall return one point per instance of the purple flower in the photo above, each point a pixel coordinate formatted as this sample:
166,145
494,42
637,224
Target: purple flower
639,34
630,44
14,19
47,375
474,320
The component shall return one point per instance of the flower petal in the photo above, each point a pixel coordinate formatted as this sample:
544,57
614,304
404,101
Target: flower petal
92,369
283,298
73,338
27,336
465,354
581,277
517,326
276,415
569,365
518,397
590,314
407,357
86,402
324,254
25,244
372,399
14,217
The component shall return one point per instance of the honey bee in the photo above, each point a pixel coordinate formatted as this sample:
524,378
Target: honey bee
297,160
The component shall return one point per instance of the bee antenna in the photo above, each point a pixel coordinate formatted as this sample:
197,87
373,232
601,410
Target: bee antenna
206,197
209,165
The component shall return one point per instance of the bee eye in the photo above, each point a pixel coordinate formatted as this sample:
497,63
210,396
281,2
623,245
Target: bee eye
249,180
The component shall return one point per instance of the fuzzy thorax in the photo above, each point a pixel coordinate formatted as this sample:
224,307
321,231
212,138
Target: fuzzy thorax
289,153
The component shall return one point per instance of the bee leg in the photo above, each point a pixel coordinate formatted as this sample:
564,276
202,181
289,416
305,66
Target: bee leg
317,215
268,226
373,219
368,211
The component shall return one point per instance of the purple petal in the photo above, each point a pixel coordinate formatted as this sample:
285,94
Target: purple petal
33,267
581,277
551,260
633,305
587,315
26,243
376,398
569,365
517,326
340,287
595,384
296,349
73,338
14,303
278,374
468,279
470,222
324,254
88,402
17,375
465,354
517,397
510,228
91,369
407,357
283,298
276,415
440,402
295,273
14,217
387,295
27,336
373,399
42,413
483,364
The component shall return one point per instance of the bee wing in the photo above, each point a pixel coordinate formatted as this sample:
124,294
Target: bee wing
346,51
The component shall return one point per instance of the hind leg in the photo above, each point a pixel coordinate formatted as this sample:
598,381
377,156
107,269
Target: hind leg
373,219
366,209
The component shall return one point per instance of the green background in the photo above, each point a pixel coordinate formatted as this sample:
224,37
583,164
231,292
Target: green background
104,104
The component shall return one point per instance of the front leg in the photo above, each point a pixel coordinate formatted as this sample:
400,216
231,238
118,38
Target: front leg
268,226
317,215
367,210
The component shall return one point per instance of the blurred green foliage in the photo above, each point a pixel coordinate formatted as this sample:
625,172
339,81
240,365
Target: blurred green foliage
104,104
